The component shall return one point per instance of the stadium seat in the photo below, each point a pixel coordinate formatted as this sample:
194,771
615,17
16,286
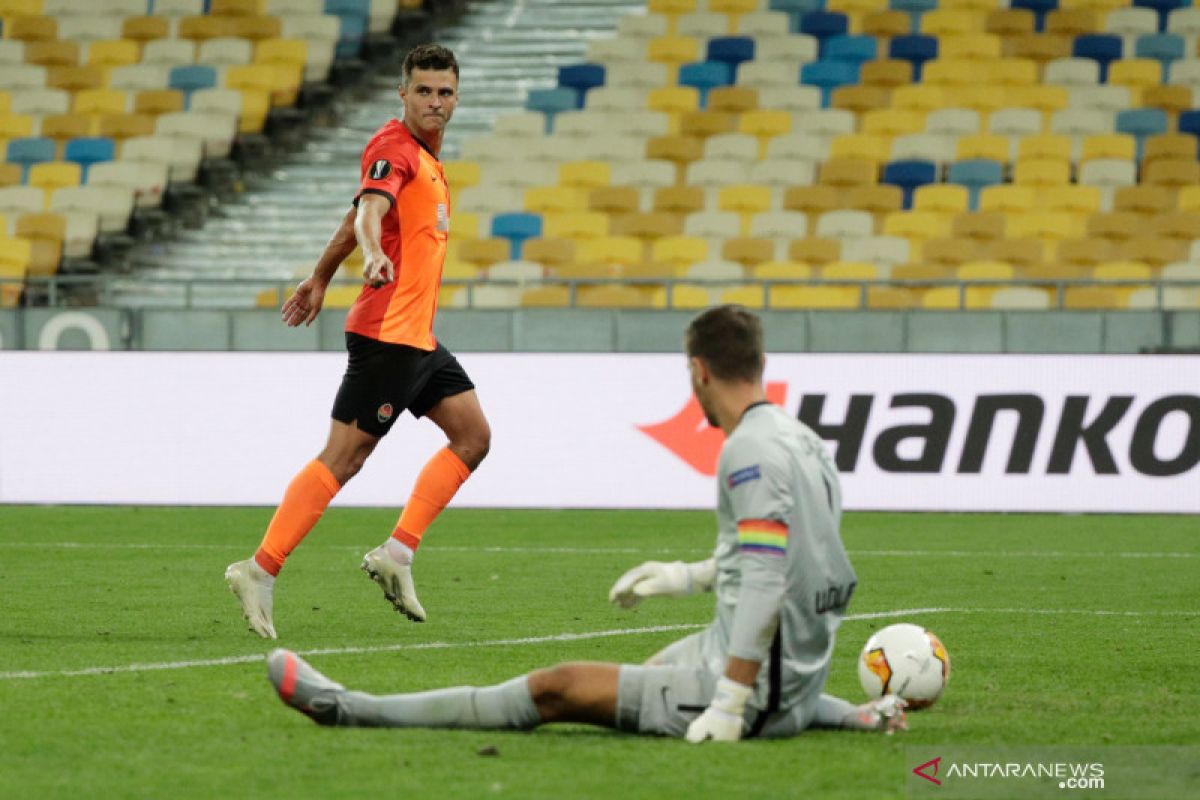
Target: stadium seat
581,78
551,102
975,175
1141,123
827,76
1101,48
516,228
909,175
916,49
704,76
27,151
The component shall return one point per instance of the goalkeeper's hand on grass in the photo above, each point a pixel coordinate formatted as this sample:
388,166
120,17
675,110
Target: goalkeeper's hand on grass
722,720
655,578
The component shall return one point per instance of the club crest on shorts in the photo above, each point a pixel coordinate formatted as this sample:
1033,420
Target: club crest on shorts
380,169
384,413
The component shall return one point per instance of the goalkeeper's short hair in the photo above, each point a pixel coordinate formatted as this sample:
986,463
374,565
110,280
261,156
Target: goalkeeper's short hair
729,339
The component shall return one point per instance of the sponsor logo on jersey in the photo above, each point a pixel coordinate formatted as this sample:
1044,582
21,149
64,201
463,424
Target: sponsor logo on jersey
751,473
380,170
384,413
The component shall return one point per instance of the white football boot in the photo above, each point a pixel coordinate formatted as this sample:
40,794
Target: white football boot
395,578
302,687
254,588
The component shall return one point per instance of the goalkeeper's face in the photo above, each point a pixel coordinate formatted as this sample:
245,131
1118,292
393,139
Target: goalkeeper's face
702,388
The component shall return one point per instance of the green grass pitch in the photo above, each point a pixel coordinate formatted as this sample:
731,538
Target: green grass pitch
1072,630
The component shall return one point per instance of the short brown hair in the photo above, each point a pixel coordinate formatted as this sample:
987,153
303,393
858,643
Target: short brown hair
428,56
729,339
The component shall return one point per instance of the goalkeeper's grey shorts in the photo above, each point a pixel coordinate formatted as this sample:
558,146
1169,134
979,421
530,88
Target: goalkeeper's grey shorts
663,697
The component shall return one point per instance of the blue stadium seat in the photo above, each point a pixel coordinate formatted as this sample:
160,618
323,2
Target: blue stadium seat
1163,7
909,175
89,150
354,16
975,174
190,78
551,102
1141,123
517,227
1100,47
916,49
915,9
705,75
29,150
1189,122
849,48
731,50
829,75
581,77
1163,47
1040,9
796,9
823,24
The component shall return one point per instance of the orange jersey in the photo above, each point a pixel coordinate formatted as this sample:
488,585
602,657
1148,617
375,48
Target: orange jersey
414,233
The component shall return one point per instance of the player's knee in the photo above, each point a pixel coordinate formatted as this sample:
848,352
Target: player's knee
550,690
473,446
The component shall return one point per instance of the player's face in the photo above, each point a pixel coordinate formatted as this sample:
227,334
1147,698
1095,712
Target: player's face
430,97
700,388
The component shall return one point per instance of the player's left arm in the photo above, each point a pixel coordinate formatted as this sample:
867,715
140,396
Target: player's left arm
760,495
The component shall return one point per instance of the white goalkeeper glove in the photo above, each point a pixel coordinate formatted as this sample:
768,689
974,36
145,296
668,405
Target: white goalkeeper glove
670,579
722,720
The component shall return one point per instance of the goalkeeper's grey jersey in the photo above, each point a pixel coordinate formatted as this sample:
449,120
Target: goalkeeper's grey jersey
783,577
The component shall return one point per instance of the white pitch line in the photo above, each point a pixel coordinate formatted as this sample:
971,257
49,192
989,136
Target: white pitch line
558,637
612,550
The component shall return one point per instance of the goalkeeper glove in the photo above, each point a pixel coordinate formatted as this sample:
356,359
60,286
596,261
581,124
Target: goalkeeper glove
672,579
722,720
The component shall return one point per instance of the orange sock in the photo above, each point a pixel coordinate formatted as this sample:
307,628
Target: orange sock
303,504
436,485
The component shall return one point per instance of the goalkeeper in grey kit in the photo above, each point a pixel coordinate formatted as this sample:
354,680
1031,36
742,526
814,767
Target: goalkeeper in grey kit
780,574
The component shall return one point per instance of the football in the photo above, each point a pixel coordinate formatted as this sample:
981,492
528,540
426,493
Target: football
904,660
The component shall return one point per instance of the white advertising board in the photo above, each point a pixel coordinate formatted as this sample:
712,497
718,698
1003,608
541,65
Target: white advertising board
910,432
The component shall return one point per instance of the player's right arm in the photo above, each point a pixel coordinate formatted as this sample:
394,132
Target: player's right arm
378,269
305,303
670,579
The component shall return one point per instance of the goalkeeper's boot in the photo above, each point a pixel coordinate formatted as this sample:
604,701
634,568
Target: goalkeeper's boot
254,588
302,687
888,713
394,575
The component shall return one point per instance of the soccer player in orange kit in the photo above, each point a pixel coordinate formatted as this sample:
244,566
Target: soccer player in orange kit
401,219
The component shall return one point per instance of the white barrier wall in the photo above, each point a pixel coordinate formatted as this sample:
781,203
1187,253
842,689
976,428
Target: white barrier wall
910,432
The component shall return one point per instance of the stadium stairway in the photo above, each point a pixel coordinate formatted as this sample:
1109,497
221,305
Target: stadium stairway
276,229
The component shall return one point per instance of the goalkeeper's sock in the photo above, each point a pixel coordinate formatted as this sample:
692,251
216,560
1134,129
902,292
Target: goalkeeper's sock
506,705
303,504
435,488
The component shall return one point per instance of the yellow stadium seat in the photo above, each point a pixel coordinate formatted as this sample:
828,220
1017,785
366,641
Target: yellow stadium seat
256,106
1043,224
461,174
748,295
52,53
32,28
703,124
948,22
1111,145
74,79
1014,72
919,97
614,199
1072,21
454,269
10,175
941,197
1172,99
672,51
922,272
255,29
1169,145
983,145
15,126
683,296
1177,173
158,101
113,53
584,174
849,271
21,8
1138,73
552,199
916,225
814,250
846,172
782,270
64,127
985,271
5,101
891,73
892,297
984,99
1020,253
860,99
483,252
575,225
950,250
812,200
250,77
801,296
954,297
890,122
744,199
613,296
969,46
765,125
673,99
1007,198
1040,172
1155,250
15,255
646,226
203,27
1092,298
949,72
1177,224
679,251
747,251
1072,198
861,146
1047,99
100,101
281,51
554,296
610,251
733,99
145,28
981,225
552,253
880,200
238,8
1045,145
